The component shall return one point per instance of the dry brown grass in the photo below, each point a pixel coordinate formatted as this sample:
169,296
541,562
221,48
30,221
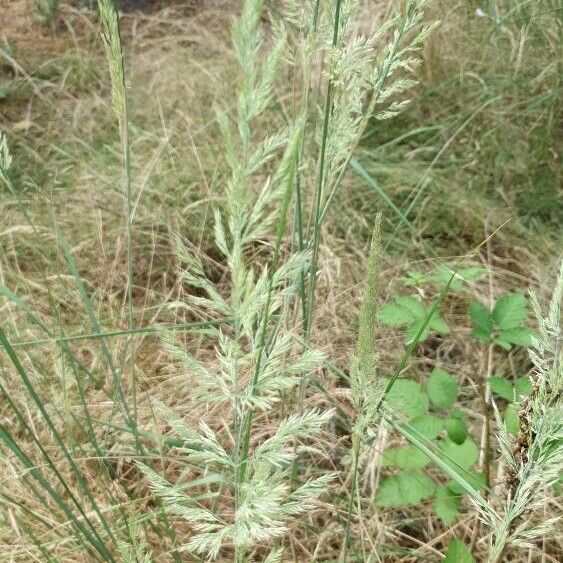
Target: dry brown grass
179,67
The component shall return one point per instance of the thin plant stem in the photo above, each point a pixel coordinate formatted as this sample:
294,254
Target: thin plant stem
111,35
321,185
299,206
352,493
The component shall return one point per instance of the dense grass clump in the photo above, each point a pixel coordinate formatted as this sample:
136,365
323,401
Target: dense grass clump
265,279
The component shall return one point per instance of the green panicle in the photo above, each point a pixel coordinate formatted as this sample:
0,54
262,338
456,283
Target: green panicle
366,356
111,37
366,389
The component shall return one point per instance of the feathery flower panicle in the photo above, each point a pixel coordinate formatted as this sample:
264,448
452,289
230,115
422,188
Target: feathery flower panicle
111,37
136,549
5,156
535,458
368,78
256,358
255,361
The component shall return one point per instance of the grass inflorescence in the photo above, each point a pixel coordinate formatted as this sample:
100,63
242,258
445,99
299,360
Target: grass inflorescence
266,299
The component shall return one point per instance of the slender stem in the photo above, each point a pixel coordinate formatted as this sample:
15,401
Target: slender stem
307,80
487,420
300,243
320,184
129,229
127,175
353,486
490,366
141,331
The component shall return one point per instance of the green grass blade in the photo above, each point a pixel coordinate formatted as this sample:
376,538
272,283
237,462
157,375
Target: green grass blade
320,186
87,303
4,343
89,534
135,331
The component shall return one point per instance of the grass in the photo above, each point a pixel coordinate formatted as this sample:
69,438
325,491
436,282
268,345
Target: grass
191,368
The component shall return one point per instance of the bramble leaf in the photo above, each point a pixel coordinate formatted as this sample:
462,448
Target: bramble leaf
501,387
510,311
480,334
461,277
483,322
405,457
520,336
512,420
463,455
446,505
442,388
438,324
456,429
523,386
404,489
402,311
415,278
414,329
408,397
472,273
428,425
458,552
476,480
409,312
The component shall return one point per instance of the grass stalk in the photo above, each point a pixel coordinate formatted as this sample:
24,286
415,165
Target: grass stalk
245,423
320,184
364,384
111,36
89,532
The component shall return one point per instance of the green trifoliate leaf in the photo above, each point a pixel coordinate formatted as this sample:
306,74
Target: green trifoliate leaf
443,275
404,489
442,388
418,331
456,429
409,312
461,277
402,311
458,552
473,273
416,278
504,345
476,480
519,336
438,324
522,387
504,323
512,420
483,322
